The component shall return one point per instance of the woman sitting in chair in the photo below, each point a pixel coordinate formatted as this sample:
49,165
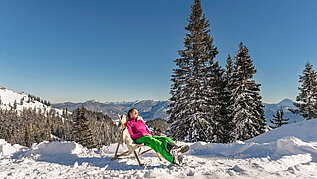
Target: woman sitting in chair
162,145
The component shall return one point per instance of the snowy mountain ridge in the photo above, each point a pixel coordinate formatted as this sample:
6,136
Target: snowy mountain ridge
150,109
19,101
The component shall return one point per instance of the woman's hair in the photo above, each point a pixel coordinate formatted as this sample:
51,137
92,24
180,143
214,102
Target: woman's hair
130,111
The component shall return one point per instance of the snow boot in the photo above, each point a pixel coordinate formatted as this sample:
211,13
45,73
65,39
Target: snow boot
179,149
178,159
170,146
184,149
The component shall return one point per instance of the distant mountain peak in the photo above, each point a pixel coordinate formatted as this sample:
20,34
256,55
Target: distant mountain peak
93,101
286,103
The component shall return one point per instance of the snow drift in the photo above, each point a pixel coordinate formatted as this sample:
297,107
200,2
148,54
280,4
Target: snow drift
286,140
274,150
7,149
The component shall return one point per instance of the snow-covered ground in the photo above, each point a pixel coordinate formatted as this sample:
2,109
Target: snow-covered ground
9,97
286,152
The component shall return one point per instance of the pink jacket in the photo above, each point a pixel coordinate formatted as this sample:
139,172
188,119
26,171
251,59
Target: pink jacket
136,128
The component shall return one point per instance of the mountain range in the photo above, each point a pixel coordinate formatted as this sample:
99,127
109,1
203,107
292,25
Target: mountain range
150,109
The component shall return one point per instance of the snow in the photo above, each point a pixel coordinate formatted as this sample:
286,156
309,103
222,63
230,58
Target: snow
286,152
7,149
8,97
273,150
305,131
292,139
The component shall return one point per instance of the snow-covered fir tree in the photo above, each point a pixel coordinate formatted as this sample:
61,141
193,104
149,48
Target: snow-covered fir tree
245,108
278,119
215,97
222,127
196,83
307,98
82,129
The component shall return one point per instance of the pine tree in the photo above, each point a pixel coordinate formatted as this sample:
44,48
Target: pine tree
21,101
215,99
82,129
195,86
278,119
245,106
307,98
223,125
15,105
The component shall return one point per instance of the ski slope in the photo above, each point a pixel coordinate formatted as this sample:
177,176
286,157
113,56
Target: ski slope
286,152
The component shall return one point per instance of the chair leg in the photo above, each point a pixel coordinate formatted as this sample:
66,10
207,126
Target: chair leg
139,151
158,156
144,152
136,156
115,154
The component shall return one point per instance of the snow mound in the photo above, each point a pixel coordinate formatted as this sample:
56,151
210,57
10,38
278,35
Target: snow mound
274,144
54,151
56,148
7,149
274,150
304,130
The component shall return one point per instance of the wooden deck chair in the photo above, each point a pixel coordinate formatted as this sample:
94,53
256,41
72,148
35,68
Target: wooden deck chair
132,146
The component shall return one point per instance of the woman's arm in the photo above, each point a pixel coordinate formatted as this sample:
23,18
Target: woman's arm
147,129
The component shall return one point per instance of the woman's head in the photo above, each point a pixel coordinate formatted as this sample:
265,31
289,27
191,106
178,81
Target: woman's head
133,113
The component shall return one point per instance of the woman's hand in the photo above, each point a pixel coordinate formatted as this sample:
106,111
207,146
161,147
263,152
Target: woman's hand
146,134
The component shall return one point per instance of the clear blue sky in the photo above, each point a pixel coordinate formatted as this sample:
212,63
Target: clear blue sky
71,50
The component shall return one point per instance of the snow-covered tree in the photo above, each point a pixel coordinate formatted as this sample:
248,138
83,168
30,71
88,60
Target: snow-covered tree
245,106
195,88
82,129
307,98
223,126
278,119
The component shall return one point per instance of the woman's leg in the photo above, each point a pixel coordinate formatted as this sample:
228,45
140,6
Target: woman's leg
157,144
167,142
163,139
169,145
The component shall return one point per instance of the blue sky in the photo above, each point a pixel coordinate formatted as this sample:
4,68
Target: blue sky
123,50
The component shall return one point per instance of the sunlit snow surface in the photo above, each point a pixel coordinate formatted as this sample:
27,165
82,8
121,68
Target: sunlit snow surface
286,152
9,97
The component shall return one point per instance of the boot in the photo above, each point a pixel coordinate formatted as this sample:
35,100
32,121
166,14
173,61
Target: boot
179,149
178,160
171,146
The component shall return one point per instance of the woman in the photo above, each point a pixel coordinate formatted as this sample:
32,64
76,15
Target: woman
162,145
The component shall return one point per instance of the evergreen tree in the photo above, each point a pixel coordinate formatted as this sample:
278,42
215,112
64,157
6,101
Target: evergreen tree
15,105
245,106
223,125
195,88
307,98
278,119
82,129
